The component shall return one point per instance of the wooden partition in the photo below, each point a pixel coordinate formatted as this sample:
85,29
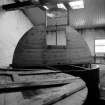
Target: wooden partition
32,49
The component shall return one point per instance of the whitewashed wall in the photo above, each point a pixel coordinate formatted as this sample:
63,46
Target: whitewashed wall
13,25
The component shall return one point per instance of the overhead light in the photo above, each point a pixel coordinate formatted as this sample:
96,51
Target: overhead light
61,5
77,4
46,7
51,15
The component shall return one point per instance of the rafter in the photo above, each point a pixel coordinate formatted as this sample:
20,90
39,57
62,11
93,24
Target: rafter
20,5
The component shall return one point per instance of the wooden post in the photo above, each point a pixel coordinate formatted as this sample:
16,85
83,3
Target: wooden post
68,21
46,18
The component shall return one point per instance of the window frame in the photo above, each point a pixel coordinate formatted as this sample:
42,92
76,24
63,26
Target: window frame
56,46
95,45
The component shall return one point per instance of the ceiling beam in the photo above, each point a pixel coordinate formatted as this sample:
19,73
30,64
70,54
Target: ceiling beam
31,3
20,5
53,1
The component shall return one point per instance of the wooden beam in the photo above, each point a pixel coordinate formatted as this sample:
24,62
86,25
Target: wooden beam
53,1
20,5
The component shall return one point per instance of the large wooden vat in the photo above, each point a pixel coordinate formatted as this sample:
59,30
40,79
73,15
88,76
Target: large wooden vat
41,87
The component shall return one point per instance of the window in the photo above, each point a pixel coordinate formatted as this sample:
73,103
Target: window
61,38
100,46
56,39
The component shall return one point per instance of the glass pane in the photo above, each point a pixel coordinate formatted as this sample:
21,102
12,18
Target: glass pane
100,49
100,42
61,38
51,38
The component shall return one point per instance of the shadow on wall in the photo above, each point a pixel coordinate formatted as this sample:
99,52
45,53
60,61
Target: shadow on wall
32,49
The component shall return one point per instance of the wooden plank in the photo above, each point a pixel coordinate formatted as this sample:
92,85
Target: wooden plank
37,78
2,97
13,98
51,96
37,82
70,94
19,5
77,98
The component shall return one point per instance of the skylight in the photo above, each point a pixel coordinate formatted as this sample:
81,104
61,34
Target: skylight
46,7
77,4
61,5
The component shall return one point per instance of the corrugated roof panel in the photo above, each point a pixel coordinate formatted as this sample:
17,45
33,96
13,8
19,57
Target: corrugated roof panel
91,16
